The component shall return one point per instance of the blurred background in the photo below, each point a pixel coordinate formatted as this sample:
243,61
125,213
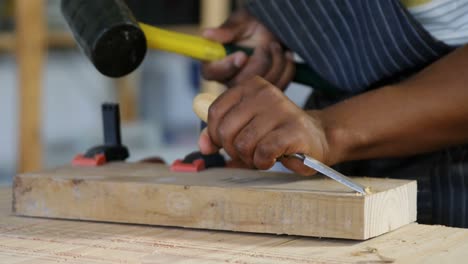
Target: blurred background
50,94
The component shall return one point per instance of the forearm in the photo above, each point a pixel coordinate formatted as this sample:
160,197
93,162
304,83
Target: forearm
424,113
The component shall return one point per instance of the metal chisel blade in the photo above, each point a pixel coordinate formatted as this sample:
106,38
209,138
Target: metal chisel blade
331,173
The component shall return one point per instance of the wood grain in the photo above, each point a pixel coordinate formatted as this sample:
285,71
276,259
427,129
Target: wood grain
55,39
44,241
221,199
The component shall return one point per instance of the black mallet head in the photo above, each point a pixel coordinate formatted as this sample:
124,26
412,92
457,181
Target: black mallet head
108,34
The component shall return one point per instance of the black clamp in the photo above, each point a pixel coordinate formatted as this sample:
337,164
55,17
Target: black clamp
112,149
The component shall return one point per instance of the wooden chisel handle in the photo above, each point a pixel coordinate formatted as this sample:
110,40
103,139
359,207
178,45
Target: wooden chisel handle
201,104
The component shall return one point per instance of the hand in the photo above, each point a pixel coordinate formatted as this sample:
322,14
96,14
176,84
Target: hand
256,123
269,60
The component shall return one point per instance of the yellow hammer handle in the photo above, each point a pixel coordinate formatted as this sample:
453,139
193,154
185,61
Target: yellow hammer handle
192,46
201,104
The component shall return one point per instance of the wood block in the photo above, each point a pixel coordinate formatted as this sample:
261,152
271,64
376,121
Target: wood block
50,241
222,199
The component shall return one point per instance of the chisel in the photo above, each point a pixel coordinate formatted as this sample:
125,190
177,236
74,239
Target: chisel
201,104
329,172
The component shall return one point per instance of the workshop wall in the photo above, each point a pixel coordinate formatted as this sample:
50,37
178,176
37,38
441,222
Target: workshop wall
73,91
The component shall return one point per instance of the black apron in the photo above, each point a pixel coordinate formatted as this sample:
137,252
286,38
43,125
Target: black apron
358,45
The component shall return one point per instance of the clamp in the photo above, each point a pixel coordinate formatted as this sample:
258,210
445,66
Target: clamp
195,162
112,149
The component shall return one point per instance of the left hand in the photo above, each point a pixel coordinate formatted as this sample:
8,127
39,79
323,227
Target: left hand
268,60
256,124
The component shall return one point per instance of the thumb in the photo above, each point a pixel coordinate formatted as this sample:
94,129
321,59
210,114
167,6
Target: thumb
205,144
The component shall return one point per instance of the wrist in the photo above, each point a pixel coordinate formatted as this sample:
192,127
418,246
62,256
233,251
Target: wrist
339,141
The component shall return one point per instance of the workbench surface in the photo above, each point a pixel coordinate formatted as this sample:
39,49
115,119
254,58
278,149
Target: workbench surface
36,240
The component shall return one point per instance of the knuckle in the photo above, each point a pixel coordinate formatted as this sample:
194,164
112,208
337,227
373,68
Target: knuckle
224,133
244,147
232,153
264,152
213,112
268,93
263,164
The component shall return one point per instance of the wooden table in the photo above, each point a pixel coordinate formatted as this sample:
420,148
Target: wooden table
35,240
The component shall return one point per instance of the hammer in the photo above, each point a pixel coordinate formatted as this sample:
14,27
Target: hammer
116,43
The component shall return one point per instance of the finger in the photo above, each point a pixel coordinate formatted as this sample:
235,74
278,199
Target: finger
278,143
218,110
205,144
297,166
224,69
229,31
275,145
232,29
234,121
222,35
232,110
287,75
248,138
269,148
278,63
257,65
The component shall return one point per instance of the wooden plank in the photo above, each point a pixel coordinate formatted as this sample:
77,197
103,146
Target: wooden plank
38,240
55,39
30,41
222,199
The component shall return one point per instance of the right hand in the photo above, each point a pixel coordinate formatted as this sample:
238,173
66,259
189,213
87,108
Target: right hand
269,60
256,124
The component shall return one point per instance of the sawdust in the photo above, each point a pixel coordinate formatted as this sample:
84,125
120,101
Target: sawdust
367,190
371,250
